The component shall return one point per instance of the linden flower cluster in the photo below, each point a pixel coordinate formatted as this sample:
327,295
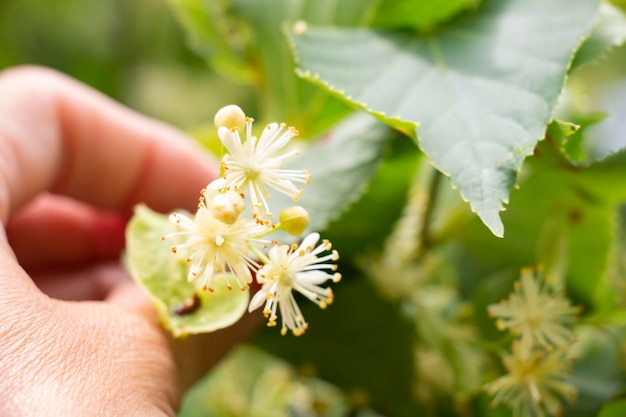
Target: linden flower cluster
536,314
535,382
221,237
539,364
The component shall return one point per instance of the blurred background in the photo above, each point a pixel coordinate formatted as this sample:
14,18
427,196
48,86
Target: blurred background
133,51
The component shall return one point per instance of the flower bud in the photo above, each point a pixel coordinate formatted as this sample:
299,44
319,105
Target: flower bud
231,117
294,220
226,207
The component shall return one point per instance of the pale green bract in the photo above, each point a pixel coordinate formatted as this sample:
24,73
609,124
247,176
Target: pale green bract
482,91
164,277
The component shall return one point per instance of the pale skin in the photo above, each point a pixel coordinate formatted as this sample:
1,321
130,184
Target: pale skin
77,336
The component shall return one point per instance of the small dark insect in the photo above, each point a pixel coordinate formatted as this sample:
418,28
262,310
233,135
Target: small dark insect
188,307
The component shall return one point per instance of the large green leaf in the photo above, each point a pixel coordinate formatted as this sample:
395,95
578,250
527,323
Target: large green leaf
367,223
341,167
183,308
483,90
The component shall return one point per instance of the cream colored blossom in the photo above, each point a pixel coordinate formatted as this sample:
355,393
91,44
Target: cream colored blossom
536,313
535,384
213,246
253,166
298,268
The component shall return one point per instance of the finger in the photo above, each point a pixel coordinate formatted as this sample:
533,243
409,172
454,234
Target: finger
18,293
54,231
94,282
58,135
194,354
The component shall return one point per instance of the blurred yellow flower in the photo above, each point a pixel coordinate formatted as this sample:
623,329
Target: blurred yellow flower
536,313
535,383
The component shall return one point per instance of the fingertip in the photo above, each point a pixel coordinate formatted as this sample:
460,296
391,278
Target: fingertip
174,173
54,231
91,148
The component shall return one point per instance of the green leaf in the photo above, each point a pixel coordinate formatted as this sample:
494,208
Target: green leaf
360,343
355,232
609,32
341,167
418,14
483,90
183,308
564,135
559,131
612,297
596,373
606,177
574,145
210,33
614,409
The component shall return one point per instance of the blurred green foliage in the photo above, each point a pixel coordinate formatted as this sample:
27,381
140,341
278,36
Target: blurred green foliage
132,51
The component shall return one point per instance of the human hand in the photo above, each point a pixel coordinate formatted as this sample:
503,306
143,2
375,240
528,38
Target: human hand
77,337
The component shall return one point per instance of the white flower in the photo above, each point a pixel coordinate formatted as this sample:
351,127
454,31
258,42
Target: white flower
535,383
535,313
254,165
213,246
295,268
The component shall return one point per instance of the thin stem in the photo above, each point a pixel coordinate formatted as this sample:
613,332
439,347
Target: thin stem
424,237
266,232
262,257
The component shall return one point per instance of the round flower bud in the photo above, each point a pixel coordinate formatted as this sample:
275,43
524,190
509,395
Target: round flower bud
226,207
294,220
231,117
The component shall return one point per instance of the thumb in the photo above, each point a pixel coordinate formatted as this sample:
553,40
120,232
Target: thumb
194,355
